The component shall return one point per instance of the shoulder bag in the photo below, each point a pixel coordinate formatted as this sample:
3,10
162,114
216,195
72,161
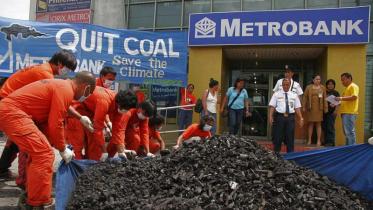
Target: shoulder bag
226,109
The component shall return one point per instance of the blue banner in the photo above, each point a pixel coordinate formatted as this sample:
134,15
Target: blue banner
137,56
316,26
58,5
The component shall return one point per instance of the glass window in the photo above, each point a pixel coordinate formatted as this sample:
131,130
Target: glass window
370,45
168,14
367,2
141,16
224,5
322,3
197,6
248,5
289,4
140,1
349,3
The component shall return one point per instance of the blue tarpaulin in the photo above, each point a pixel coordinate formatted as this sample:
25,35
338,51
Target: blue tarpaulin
351,166
67,175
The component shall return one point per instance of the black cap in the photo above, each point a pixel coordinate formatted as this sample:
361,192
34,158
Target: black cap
289,68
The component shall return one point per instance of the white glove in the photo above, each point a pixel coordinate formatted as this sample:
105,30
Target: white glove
107,132
150,155
104,157
370,140
195,138
176,147
67,155
110,125
122,155
86,122
130,152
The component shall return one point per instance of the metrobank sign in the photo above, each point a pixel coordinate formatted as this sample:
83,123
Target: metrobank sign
321,26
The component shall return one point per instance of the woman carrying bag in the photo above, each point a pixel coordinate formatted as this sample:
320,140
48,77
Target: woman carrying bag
238,105
210,101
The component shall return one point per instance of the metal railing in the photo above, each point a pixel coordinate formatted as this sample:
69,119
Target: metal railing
166,113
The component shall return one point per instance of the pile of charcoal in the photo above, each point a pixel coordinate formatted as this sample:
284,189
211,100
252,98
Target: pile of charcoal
225,172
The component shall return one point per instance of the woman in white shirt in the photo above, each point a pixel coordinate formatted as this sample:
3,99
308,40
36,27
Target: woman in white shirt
210,101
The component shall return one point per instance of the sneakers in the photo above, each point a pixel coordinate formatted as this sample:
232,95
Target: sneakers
22,205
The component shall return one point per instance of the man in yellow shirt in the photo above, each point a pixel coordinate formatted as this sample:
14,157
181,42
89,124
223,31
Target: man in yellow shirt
349,106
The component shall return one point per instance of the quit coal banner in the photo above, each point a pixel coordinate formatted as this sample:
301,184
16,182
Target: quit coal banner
137,56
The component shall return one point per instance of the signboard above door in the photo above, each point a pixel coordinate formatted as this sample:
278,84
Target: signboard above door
316,26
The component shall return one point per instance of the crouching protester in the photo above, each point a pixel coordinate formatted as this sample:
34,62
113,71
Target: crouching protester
196,131
136,132
156,143
101,103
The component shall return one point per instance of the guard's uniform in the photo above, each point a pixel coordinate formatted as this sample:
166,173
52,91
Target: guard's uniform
294,87
284,118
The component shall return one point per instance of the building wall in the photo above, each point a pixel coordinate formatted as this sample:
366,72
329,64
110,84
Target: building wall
369,98
32,9
109,13
204,63
207,62
348,58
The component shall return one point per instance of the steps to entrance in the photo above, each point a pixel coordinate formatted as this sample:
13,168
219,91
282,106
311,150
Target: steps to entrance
298,147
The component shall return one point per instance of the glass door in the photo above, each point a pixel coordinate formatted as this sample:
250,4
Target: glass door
257,86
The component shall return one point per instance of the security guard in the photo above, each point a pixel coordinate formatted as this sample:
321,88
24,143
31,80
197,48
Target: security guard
282,108
294,86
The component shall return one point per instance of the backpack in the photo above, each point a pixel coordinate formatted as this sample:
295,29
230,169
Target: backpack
198,107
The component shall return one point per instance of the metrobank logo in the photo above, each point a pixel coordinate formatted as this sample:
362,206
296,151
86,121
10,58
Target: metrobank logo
205,28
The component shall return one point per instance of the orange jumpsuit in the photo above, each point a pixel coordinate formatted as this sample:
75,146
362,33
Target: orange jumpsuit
19,79
26,76
154,145
75,131
99,82
193,130
41,103
100,104
140,96
136,134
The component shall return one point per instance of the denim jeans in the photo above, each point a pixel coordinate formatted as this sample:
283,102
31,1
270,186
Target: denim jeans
348,123
329,129
235,120
185,118
213,129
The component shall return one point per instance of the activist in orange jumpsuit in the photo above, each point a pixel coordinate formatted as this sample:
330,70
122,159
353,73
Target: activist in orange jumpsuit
196,131
76,134
60,64
101,103
156,142
107,77
136,131
43,102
